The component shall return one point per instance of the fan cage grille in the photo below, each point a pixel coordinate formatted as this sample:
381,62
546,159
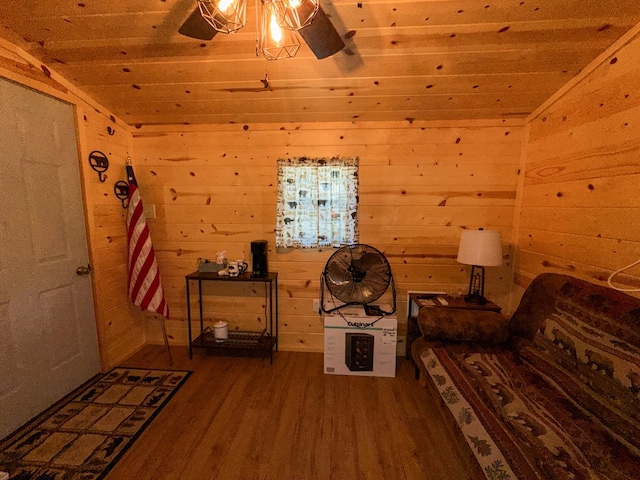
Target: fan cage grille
357,274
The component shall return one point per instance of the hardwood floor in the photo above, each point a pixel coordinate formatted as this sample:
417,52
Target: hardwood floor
241,418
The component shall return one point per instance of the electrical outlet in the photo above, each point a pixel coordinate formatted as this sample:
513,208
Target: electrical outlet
316,306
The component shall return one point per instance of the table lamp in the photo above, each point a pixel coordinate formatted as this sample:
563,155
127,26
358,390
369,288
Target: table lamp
479,248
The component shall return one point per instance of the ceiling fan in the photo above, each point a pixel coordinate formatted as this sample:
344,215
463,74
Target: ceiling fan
314,26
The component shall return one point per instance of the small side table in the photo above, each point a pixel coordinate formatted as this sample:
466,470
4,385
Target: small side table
421,300
239,342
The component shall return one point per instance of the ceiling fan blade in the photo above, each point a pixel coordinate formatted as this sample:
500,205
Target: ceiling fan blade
321,36
197,27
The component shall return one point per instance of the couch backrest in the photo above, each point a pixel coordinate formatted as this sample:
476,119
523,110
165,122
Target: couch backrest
591,325
542,295
536,303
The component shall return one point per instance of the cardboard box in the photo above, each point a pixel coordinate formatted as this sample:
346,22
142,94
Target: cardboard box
356,344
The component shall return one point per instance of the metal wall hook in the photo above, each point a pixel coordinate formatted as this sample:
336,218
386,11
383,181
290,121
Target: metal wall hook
121,190
100,163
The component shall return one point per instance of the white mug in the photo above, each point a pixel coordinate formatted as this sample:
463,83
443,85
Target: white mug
242,266
234,269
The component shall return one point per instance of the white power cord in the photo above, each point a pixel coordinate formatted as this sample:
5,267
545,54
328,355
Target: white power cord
620,271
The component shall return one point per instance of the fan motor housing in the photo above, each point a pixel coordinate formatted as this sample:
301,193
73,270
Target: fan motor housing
356,275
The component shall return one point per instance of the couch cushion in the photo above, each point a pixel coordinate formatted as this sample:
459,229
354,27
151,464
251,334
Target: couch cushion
520,425
458,325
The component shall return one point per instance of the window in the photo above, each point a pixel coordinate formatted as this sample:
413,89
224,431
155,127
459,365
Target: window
317,202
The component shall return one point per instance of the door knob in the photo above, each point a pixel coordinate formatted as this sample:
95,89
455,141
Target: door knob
82,270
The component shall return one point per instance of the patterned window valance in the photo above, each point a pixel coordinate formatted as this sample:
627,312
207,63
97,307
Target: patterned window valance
317,202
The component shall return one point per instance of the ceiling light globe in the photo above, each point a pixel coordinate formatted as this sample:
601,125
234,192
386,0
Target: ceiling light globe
296,14
226,16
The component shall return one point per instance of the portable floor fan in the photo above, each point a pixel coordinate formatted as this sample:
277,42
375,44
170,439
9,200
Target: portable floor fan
357,275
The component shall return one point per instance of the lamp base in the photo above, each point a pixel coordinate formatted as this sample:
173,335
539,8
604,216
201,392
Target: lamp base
475,298
476,286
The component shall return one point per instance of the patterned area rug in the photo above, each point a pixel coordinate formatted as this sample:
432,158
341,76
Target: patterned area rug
83,436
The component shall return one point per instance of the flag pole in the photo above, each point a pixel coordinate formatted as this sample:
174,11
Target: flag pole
166,339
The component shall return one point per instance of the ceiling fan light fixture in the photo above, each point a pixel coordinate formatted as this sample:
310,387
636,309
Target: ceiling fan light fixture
275,42
296,14
226,16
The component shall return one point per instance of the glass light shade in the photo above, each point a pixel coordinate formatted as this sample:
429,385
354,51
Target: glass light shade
480,247
275,42
296,14
226,16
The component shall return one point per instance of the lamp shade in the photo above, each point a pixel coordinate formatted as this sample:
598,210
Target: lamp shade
480,247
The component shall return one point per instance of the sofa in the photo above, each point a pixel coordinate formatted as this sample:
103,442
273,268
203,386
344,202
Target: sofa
553,393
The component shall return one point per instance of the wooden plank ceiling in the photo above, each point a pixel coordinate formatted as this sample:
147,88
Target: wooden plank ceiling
404,60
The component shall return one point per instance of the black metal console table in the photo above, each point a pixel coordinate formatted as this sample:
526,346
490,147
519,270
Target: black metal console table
239,343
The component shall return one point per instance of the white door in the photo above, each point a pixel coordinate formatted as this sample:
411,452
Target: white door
48,341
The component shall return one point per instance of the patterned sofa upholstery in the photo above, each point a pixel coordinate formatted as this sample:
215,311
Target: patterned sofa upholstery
561,401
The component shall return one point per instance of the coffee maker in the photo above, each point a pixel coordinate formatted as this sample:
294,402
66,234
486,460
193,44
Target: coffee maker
259,252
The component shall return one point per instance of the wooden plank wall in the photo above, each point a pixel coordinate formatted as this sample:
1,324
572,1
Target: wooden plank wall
120,326
580,201
214,188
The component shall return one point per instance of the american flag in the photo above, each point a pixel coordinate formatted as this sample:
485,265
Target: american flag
145,287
